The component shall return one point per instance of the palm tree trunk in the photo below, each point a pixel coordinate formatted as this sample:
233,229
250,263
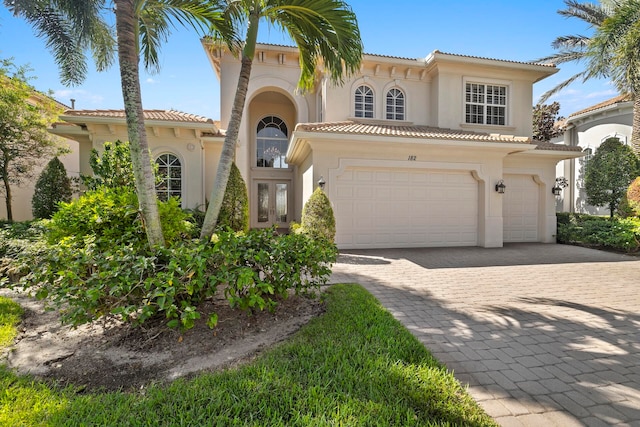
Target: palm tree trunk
229,147
129,73
635,130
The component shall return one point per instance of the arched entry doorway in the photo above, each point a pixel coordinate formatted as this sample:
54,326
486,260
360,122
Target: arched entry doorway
271,178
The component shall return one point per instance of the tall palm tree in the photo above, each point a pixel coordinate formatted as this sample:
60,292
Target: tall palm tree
573,48
614,52
323,30
72,27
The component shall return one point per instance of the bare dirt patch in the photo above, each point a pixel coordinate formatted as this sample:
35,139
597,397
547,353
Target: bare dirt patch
117,357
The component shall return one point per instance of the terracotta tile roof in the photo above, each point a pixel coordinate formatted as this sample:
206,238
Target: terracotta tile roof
161,115
557,147
603,104
424,132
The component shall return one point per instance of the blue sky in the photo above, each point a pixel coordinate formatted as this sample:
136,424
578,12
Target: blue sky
503,29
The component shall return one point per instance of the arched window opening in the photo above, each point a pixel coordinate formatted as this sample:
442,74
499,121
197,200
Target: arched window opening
272,143
395,105
364,102
170,177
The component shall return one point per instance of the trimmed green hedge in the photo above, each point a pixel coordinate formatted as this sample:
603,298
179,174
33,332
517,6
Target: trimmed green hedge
621,234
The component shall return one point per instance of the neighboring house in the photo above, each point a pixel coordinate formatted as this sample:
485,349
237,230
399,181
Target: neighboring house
588,129
412,150
23,194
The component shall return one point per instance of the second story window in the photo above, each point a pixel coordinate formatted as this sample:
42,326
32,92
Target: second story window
272,143
395,105
364,102
485,104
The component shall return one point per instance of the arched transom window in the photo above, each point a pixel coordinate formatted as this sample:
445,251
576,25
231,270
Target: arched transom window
364,102
170,176
395,105
272,143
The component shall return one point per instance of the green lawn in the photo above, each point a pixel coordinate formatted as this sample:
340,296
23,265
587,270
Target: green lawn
353,366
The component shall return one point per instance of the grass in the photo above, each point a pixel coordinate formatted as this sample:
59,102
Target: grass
353,366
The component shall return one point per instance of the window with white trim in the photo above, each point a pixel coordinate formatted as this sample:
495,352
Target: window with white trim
485,104
364,101
170,177
395,104
272,143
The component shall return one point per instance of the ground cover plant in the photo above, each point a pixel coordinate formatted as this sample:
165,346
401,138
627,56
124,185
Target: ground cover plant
355,365
620,234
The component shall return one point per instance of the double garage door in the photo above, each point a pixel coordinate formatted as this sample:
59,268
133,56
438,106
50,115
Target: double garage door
403,208
392,208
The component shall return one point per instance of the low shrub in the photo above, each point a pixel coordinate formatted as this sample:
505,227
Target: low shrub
261,265
621,234
111,215
87,278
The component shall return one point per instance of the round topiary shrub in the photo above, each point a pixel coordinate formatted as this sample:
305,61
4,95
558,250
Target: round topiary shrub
317,217
53,186
234,212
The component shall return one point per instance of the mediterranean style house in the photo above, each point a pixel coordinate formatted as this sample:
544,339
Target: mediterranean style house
588,128
426,152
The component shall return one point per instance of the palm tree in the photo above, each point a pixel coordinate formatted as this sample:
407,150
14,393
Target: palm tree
614,52
323,30
573,48
72,27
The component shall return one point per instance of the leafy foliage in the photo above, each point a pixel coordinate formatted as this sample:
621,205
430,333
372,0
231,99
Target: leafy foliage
621,234
112,168
633,196
609,173
545,119
318,220
111,216
234,212
261,265
53,186
24,140
94,274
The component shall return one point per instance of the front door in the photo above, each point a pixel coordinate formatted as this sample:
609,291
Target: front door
271,198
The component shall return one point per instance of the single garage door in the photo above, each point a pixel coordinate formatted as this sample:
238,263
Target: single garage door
520,209
397,208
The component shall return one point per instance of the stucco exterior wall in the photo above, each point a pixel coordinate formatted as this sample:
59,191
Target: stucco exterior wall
22,195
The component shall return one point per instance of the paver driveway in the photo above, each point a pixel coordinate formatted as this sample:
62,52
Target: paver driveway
543,334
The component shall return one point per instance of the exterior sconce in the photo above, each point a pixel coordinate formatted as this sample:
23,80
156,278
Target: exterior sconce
556,190
321,183
561,182
500,187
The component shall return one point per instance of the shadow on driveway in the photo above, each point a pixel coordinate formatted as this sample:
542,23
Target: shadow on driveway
543,334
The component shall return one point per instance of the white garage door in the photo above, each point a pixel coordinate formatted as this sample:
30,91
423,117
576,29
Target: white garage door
395,208
520,209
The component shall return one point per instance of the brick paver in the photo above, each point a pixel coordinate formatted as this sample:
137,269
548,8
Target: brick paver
543,334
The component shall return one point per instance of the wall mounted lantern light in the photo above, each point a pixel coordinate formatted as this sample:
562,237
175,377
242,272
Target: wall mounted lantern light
556,190
321,183
500,187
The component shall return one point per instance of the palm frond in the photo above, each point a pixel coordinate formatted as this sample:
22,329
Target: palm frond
548,94
323,30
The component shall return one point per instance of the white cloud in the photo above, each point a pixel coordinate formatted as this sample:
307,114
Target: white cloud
84,99
151,81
